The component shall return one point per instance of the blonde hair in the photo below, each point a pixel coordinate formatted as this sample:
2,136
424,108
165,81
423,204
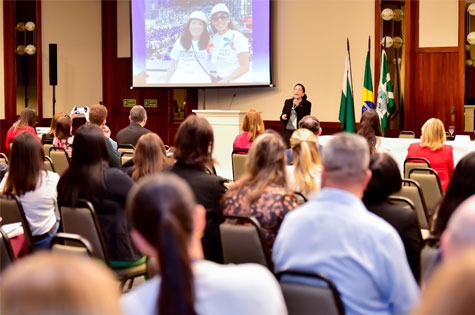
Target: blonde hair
150,156
253,124
433,134
307,162
47,283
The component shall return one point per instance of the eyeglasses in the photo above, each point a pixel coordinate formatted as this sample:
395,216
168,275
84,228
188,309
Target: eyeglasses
218,17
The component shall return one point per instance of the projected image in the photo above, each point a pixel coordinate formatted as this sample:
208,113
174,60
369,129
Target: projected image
200,43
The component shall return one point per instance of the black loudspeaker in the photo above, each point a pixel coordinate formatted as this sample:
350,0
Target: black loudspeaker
53,64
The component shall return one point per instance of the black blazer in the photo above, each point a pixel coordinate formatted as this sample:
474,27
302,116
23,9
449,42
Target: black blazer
405,222
302,110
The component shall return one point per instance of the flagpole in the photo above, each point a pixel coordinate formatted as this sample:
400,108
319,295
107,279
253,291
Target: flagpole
351,71
369,54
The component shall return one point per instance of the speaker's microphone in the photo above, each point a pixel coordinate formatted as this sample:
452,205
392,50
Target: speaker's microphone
232,99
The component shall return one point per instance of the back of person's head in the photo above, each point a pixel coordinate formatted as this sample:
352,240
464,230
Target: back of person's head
149,156
45,283
194,142
460,232
253,124
311,123
98,114
52,126
461,186
27,118
385,179
63,127
370,128
166,222
25,164
346,159
89,146
306,158
433,134
137,114
451,290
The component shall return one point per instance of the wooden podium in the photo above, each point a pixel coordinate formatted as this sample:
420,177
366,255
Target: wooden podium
226,126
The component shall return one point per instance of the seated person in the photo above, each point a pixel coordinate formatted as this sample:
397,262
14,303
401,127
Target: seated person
136,128
311,123
26,122
63,137
47,138
252,126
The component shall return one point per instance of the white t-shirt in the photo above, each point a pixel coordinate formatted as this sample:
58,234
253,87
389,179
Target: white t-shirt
39,204
188,69
247,289
225,49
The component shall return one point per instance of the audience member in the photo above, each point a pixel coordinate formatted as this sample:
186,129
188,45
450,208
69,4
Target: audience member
47,138
313,124
193,153
335,235
262,191
170,229
370,129
252,126
385,181
98,116
461,186
294,110
89,177
150,156
36,187
26,122
432,147
305,175
63,137
136,128
47,283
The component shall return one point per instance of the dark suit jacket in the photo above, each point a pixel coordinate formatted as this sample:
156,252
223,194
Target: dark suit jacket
302,110
131,134
208,190
404,220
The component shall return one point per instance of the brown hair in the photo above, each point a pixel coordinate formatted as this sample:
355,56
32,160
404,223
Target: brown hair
52,126
150,156
63,127
27,118
166,223
97,114
253,124
370,128
433,134
26,164
194,142
265,166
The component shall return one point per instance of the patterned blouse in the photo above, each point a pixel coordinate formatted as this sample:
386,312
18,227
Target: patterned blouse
269,210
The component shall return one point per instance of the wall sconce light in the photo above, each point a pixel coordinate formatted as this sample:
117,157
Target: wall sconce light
26,29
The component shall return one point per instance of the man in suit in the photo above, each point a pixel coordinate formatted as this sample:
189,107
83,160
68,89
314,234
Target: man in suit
335,235
136,128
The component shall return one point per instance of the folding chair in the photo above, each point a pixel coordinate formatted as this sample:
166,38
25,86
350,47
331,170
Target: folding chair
60,159
125,148
12,211
238,158
402,201
308,293
414,162
49,164
126,156
3,158
82,220
71,244
412,190
407,134
430,184
301,199
6,253
243,242
47,148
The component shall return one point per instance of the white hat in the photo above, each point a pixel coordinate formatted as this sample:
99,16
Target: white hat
220,7
198,15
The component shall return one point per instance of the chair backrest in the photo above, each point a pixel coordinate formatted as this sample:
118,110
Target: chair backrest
430,184
6,253
243,242
239,158
60,159
412,190
12,211
414,162
308,293
125,148
73,244
402,201
125,156
408,134
3,158
82,220
49,164
301,199
47,147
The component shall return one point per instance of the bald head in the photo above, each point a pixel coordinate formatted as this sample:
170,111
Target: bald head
460,232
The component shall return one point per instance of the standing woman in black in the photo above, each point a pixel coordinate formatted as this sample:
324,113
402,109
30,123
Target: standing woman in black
294,110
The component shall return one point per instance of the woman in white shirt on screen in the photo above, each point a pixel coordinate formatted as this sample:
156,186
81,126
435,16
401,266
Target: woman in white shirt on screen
229,47
190,56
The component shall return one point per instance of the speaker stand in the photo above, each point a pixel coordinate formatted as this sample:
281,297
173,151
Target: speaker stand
54,99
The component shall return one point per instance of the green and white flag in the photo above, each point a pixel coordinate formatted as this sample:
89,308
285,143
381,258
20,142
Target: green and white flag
385,102
347,108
